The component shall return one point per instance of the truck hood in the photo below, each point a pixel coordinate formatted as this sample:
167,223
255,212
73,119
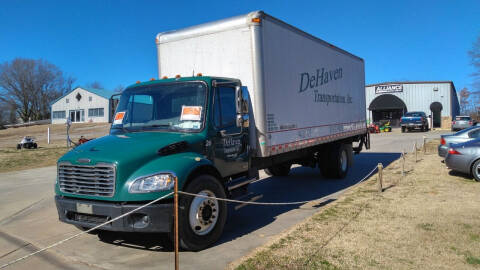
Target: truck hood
129,151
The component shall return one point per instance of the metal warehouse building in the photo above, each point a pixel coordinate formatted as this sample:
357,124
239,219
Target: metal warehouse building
83,105
390,100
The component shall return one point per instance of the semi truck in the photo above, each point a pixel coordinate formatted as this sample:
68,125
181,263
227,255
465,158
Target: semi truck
232,97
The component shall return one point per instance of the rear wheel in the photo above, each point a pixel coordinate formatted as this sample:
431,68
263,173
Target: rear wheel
403,129
336,162
476,170
201,220
278,170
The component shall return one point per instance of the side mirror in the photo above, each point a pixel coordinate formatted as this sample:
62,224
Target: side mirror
238,99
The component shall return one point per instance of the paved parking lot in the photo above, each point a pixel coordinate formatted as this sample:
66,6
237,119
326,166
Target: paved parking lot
28,218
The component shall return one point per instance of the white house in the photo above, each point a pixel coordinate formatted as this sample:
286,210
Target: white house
83,105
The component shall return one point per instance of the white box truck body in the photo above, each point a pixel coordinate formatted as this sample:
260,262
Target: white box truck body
304,91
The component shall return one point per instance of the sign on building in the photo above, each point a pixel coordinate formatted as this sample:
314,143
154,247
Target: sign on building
388,88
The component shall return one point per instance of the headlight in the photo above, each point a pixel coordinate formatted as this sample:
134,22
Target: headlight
152,183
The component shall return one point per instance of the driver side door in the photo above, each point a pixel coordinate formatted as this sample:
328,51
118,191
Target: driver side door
230,142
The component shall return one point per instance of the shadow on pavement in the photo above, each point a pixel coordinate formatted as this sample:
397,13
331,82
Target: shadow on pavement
302,184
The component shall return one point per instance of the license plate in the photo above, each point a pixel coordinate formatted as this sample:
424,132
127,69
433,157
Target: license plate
411,124
84,208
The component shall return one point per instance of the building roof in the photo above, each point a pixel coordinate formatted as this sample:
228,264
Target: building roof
99,92
410,82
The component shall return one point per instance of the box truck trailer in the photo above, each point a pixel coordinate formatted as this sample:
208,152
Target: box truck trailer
233,97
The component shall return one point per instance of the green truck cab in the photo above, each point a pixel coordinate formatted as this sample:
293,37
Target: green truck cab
193,129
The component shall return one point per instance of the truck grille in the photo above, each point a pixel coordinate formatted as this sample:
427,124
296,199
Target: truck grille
96,180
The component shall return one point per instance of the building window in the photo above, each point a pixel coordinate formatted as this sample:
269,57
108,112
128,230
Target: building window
58,115
67,101
90,98
96,112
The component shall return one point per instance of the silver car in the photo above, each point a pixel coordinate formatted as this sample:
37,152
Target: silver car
461,122
465,157
464,135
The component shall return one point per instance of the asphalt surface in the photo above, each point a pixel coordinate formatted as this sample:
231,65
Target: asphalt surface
29,221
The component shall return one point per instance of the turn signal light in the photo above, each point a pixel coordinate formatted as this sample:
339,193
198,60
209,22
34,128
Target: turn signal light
452,151
152,79
177,76
138,81
442,141
453,122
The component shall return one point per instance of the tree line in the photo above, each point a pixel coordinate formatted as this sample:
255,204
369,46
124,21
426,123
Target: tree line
28,86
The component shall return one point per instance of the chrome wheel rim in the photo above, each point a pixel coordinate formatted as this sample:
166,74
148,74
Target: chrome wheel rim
343,161
477,171
203,213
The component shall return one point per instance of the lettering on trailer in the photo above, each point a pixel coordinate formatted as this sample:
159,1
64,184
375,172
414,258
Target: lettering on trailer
388,88
321,77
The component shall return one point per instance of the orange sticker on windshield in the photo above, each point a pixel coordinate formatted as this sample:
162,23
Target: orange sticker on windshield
119,118
192,113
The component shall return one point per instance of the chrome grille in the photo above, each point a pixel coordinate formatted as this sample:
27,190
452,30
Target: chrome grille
93,180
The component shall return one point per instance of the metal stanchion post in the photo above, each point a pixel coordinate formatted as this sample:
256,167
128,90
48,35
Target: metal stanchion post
424,144
415,149
175,213
403,163
380,177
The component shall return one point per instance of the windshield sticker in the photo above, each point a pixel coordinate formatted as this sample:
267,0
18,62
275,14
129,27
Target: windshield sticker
192,113
119,118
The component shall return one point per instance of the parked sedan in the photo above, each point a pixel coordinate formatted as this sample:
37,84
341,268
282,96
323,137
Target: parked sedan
465,157
461,122
464,135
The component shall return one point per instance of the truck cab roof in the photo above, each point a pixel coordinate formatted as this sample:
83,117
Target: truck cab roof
207,79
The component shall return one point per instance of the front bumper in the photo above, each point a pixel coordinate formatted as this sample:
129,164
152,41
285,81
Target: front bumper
89,213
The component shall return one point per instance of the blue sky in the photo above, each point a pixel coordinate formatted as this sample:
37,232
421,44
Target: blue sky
112,42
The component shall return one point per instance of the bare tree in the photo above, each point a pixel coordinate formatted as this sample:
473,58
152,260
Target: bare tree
95,84
464,101
119,89
474,54
30,85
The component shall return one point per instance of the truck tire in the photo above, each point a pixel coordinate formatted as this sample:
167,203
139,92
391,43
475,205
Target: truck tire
337,162
403,129
278,170
201,220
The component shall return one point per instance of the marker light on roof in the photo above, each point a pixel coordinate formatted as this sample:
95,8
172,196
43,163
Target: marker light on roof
177,76
138,81
199,74
152,79
165,77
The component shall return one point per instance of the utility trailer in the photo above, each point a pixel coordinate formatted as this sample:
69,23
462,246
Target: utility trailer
269,96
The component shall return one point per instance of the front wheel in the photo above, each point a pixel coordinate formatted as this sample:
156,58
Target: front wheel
201,220
403,129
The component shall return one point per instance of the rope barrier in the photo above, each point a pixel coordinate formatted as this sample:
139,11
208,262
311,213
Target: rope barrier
277,203
83,232
184,193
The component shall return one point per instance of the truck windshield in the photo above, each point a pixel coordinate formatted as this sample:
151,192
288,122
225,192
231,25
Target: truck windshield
165,107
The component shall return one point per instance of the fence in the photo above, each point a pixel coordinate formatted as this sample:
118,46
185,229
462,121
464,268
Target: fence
176,193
